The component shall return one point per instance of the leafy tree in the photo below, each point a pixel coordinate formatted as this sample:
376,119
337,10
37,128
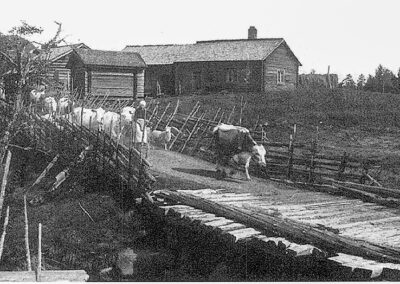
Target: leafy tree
348,82
371,84
29,63
361,82
385,80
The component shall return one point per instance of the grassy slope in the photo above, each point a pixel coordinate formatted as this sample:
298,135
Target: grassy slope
361,123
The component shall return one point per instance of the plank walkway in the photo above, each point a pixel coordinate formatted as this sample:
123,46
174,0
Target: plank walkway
347,217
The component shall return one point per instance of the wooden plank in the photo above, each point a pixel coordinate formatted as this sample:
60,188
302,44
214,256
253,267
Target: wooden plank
231,227
327,210
369,221
387,271
244,233
45,275
235,198
339,217
218,223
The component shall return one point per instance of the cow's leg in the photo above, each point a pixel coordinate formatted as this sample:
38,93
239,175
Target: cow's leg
220,170
246,168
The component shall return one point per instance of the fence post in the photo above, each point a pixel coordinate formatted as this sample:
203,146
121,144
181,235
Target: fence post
314,144
292,136
194,110
172,115
192,132
231,114
204,131
161,117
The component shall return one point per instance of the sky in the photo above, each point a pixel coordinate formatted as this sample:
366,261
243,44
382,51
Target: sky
350,36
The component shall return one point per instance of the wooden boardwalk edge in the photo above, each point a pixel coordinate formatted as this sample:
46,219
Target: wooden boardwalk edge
45,276
344,265
326,240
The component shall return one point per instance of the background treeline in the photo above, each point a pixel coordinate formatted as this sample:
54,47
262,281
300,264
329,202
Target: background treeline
383,81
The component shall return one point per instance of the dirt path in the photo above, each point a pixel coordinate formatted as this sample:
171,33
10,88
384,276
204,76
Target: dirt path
177,171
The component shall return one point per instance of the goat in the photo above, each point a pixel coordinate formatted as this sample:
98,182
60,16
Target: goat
161,137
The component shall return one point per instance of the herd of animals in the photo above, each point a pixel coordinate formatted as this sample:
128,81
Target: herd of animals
233,144
129,124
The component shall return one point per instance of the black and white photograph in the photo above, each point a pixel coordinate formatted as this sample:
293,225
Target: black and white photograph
199,141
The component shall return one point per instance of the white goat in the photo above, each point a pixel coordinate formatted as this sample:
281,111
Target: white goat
161,137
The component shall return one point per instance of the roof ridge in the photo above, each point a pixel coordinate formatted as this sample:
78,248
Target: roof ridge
148,45
69,45
102,50
239,39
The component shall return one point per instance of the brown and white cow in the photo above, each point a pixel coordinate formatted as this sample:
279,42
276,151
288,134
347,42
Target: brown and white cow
235,143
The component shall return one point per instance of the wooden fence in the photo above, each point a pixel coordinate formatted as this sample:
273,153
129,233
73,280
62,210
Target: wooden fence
294,160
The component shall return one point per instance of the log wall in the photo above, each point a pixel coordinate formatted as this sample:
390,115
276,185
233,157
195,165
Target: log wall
281,59
213,76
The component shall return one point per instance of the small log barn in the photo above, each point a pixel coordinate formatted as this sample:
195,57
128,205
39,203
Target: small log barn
119,75
211,66
57,70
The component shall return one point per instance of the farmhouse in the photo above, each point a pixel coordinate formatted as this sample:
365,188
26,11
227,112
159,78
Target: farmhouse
119,75
250,64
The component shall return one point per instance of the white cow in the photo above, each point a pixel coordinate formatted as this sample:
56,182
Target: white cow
90,118
111,124
127,113
65,106
36,95
50,105
127,116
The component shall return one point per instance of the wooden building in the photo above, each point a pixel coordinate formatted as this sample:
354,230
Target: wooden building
119,75
248,64
58,58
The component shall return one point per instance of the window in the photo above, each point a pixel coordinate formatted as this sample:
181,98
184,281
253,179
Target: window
280,79
231,75
244,75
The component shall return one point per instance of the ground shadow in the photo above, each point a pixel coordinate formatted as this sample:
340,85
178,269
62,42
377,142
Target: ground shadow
204,173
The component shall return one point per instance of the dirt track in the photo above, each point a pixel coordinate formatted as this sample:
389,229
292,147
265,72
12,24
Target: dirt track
177,171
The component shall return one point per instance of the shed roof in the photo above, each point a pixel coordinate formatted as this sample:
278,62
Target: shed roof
110,58
60,51
214,50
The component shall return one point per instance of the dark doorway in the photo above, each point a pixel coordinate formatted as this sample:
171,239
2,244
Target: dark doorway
167,84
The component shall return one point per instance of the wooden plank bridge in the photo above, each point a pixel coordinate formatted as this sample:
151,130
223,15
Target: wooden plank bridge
347,238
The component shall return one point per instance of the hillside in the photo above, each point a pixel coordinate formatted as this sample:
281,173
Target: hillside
363,124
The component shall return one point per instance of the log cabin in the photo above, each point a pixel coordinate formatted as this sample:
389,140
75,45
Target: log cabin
251,64
116,74
58,57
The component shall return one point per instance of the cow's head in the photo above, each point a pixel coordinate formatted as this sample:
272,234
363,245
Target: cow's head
127,114
258,155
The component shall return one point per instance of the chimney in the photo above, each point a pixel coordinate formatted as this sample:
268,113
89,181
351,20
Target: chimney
252,32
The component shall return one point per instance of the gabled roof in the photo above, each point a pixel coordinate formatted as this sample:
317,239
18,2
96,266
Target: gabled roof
91,57
61,51
214,50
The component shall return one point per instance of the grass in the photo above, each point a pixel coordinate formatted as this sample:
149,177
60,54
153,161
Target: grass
339,107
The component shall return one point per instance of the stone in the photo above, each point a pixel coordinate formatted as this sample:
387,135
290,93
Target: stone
126,260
